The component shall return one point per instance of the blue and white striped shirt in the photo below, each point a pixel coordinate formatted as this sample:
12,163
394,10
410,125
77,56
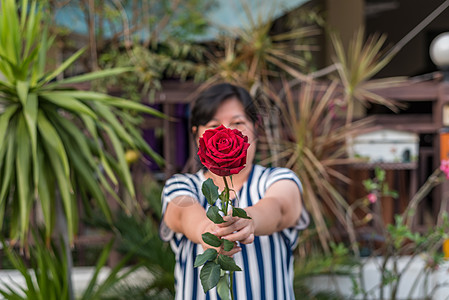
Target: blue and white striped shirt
267,263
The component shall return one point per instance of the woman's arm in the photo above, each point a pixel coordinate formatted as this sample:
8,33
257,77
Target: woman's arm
280,208
185,215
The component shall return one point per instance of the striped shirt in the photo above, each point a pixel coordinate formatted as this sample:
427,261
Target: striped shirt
267,263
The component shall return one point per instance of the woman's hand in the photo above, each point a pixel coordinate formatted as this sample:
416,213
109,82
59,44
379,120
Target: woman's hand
215,229
236,229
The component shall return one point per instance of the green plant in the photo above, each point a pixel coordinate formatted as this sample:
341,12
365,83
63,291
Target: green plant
48,280
171,58
392,248
114,24
399,239
338,263
313,145
47,277
60,142
254,55
138,234
356,67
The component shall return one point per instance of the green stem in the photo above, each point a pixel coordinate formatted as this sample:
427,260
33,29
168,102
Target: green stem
226,205
433,180
227,195
231,274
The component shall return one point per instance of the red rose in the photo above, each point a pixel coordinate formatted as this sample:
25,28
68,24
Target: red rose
223,150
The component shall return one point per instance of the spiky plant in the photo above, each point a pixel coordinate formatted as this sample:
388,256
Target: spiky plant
357,65
58,143
44,273
313,145
253,55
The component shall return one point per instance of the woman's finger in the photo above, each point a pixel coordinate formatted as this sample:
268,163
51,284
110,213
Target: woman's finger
248,240
231,252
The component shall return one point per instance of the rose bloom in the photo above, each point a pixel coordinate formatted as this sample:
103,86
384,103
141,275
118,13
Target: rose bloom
372,197
223,150
445,167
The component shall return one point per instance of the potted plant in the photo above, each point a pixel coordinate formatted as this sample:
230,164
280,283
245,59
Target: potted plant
385,261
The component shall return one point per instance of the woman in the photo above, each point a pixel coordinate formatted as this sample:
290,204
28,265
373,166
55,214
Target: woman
270,196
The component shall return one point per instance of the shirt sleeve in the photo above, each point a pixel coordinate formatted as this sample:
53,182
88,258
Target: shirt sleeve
277,174
176,186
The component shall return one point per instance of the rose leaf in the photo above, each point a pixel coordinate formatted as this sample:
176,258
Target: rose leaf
223,196
227,245
223,289
227,263
210,191
208,255
210,275
211,239
213,213
241,213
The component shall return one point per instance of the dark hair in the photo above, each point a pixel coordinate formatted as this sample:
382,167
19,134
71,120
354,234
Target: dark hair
205,106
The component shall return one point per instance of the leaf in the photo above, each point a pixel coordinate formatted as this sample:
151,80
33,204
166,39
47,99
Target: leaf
39,65
69,103
45,189
223,196
223,289
213,213
63,66
23,160
65,190
112,101
120,154
22,91
211,239
7,172
142,144
227,245
5,117
10,39
53,140
227,263
101,261
210,275
30,113
241,213
210,191
106,112
94,75
208,255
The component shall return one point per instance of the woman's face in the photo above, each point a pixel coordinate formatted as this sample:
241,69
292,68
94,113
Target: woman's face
231,114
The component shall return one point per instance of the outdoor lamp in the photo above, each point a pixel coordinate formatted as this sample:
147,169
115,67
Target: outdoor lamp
439,53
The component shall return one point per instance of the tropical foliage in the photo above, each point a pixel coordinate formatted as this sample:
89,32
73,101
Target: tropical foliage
63,145
153,37
60,143
45,273
139,235
395,252
358,64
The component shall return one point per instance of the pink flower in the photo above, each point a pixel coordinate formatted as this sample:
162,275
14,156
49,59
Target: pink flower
445,167
372,197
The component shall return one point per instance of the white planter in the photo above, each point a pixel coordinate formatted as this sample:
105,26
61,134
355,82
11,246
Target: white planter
413,284
386,146
81,277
